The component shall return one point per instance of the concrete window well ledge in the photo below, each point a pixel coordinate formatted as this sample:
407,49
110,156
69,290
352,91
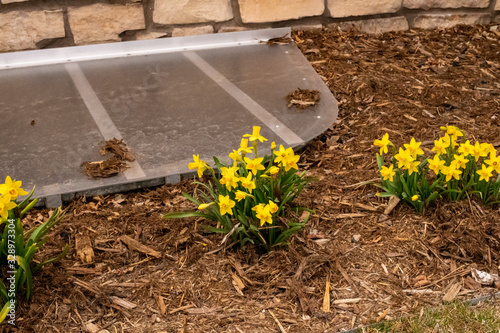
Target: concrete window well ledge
167,99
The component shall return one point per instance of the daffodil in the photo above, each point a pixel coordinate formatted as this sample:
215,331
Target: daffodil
229,177
240,195
415,197
226,205
283,154
244,149
451,172
205,205
255,135
273,145
247,182
274,170
478,151
414,148
404,158
235,156
273,208
198,164
452,131
291,162
488,148
263,213
485,173
383,143
440,146
494,162
450,140
466,148
435,164
387,173
5,205
254,165
460,162
412,167
12,188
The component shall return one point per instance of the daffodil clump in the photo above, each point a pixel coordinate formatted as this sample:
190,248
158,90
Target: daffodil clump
17,247
249,196
457,167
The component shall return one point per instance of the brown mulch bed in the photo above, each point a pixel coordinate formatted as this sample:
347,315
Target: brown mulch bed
407,84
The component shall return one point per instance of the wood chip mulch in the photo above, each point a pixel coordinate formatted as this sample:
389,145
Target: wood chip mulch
373,266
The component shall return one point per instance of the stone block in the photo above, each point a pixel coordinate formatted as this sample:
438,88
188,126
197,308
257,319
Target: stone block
308,27
428,4
100,22
260,11
21,30
4,2
145,35
232,29
191,11
191,31
428,21
374,26
346,8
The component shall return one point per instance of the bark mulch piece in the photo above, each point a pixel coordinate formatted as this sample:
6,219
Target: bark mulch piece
375,266
114,164
303,98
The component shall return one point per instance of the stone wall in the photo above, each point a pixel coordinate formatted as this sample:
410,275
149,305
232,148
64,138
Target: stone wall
31,24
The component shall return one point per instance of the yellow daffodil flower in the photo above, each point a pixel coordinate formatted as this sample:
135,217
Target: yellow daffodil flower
244,149
488,148
460,162
383,143
466,148
255,135
450,140
291,163
452,131
415,197
273,145
435,164
478,151
12,188
273,208
235,156
226,205
494,161
451,172
440,146
5,205
485,173
263,213
283,154
412,167
198,164
247,182
240,195
414,148
274,170
387,173
254,165
404,158
229,177
205,206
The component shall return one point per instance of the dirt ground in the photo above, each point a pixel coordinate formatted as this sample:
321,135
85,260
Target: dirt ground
407,84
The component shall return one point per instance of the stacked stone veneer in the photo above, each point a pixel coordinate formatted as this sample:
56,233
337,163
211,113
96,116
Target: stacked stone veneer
30,24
